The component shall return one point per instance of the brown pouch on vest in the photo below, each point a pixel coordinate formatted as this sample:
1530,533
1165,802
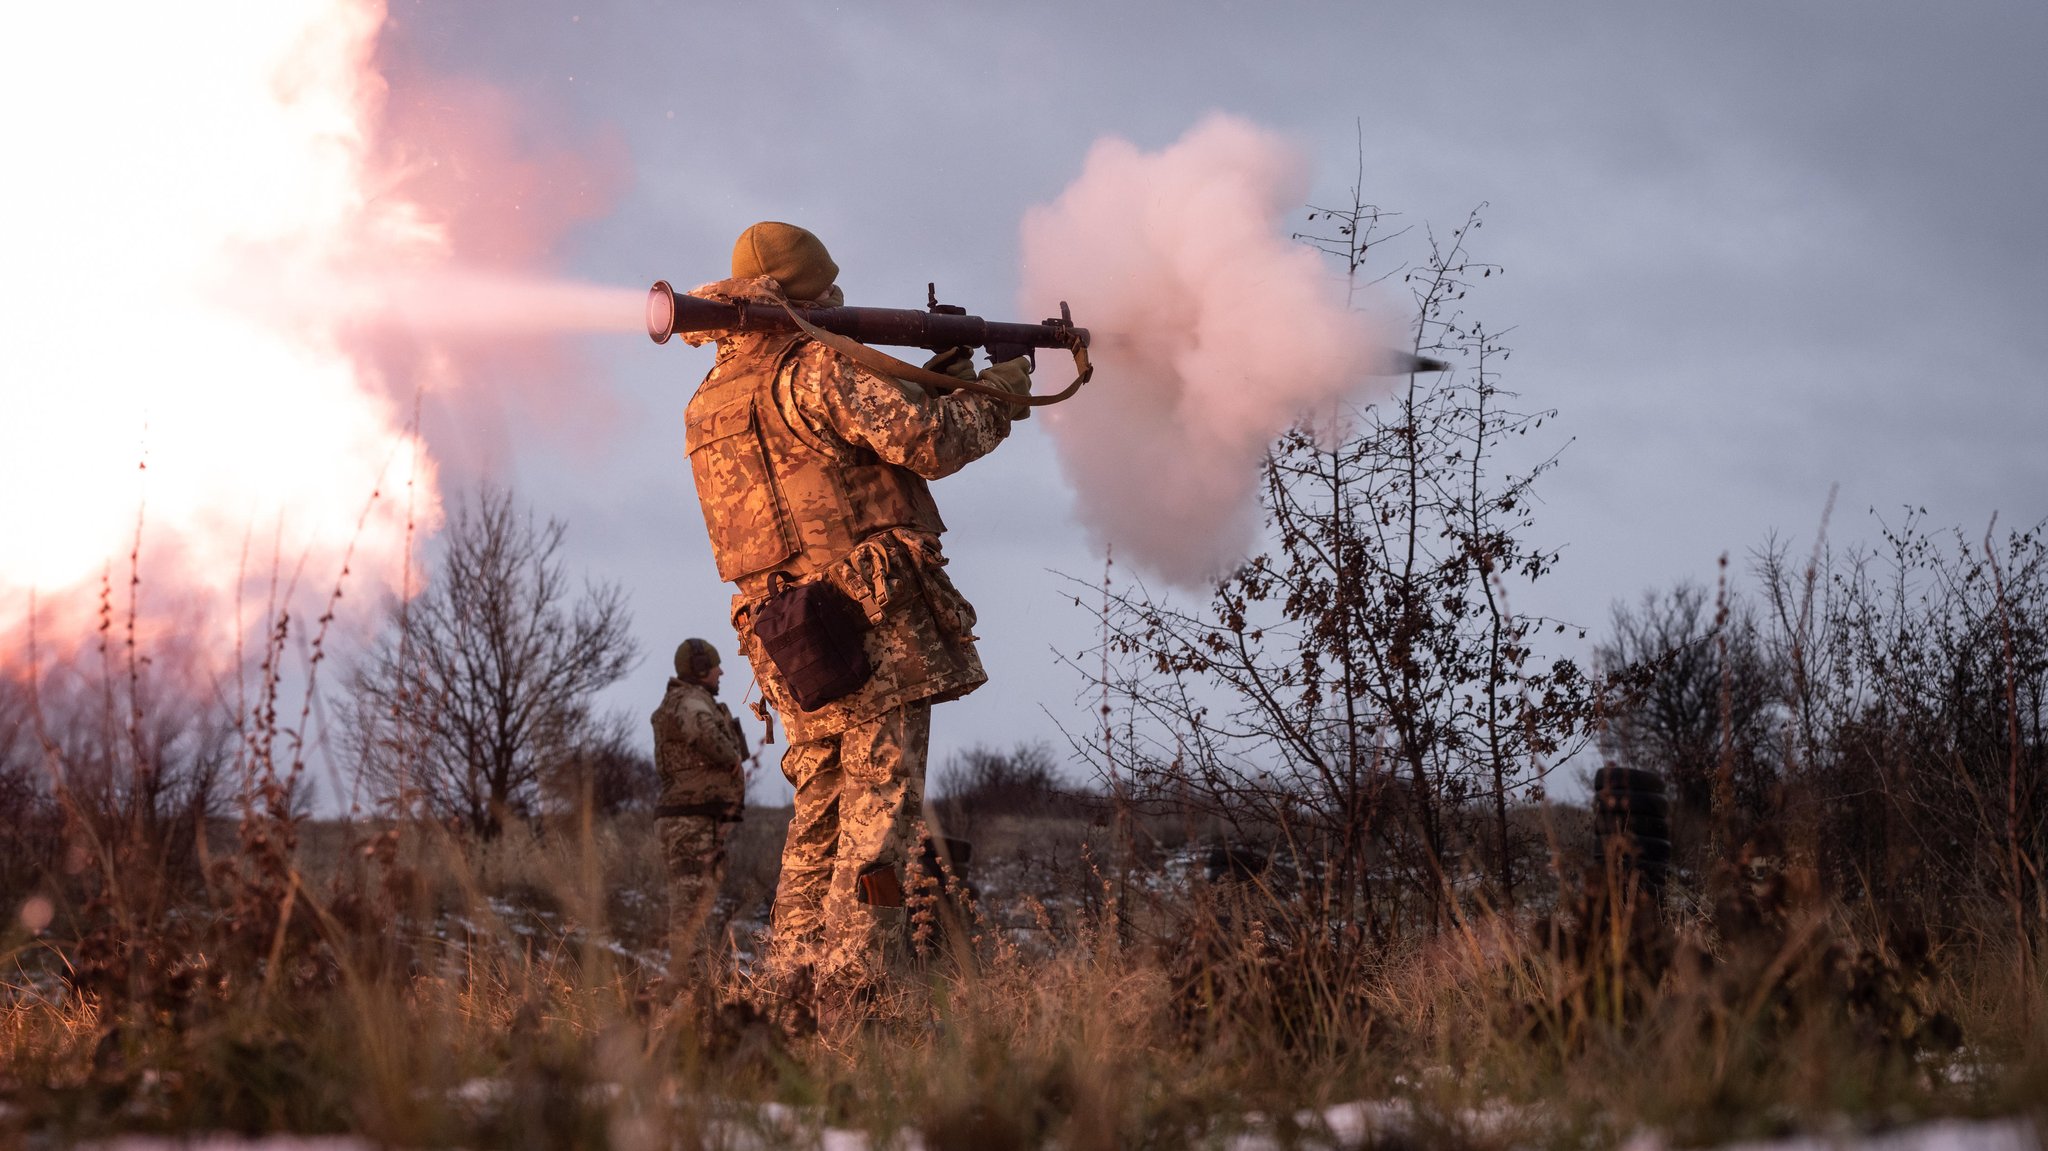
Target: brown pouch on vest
878,886
812,633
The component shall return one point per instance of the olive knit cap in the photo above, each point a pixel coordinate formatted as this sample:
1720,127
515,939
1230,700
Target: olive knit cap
694,659
796,258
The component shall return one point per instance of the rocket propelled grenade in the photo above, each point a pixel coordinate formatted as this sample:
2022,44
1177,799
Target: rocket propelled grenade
1403,363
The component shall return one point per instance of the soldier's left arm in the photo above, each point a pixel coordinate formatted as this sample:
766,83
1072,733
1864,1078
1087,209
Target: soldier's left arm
931,435
711,728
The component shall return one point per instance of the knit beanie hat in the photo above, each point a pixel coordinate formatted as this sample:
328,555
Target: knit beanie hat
796,258
694,659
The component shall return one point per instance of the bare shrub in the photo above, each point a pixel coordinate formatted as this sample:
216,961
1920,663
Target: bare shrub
1918,702
1886,714
608,769
27,809
1360,688
112,756
981,783
482,684
1696,694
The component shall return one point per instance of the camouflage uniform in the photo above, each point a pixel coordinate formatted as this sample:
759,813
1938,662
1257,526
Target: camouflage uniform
698,752
809,466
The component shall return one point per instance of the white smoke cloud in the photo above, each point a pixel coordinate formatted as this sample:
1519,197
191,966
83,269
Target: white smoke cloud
1212,333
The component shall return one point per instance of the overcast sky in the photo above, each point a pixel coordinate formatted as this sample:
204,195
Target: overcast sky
1753,251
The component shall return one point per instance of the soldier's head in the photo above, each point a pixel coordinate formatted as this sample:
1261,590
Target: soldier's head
796,258
697,662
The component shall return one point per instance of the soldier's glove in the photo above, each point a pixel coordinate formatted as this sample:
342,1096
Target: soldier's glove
1011,376
955,362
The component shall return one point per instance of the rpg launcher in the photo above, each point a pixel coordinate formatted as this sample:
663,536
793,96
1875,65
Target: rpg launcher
938,327
852,331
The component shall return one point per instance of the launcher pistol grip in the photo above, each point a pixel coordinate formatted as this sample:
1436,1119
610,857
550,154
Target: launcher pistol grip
998,350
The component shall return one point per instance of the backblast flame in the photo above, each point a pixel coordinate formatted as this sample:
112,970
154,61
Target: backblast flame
206,243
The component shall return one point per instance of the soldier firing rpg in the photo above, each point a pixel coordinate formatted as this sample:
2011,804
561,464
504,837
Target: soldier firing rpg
812,469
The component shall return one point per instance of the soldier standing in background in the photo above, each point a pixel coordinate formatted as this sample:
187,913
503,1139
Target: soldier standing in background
698,751
812,475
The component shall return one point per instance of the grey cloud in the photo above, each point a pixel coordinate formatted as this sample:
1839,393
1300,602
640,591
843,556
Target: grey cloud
1754,249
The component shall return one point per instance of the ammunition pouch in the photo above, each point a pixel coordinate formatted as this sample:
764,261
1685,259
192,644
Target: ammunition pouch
878,885
813,633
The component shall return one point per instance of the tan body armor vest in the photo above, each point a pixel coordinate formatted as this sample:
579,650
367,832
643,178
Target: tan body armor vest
774,497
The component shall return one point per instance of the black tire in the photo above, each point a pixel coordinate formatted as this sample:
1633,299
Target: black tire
1628,779
1617,844
1608,823
1651,850
1616,823
1639,804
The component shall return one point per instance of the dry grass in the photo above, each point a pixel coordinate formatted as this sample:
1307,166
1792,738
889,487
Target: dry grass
428,990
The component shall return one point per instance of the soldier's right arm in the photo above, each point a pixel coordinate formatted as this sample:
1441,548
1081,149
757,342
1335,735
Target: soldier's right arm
933,436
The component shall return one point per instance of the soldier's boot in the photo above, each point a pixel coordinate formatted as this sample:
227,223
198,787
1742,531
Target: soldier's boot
693,901
789,998
847,998
788,983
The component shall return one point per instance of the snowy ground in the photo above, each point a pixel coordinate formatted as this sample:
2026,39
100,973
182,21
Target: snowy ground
1345,1126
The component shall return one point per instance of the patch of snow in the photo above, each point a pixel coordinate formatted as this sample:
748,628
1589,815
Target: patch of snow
232,1143
1368,1123
1939,1135
1344,1126
481,1092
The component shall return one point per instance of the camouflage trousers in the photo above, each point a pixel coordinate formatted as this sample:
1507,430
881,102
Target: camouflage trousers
859,795
693,848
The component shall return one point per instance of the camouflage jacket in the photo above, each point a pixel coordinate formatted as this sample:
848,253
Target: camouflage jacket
816,413
698,751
